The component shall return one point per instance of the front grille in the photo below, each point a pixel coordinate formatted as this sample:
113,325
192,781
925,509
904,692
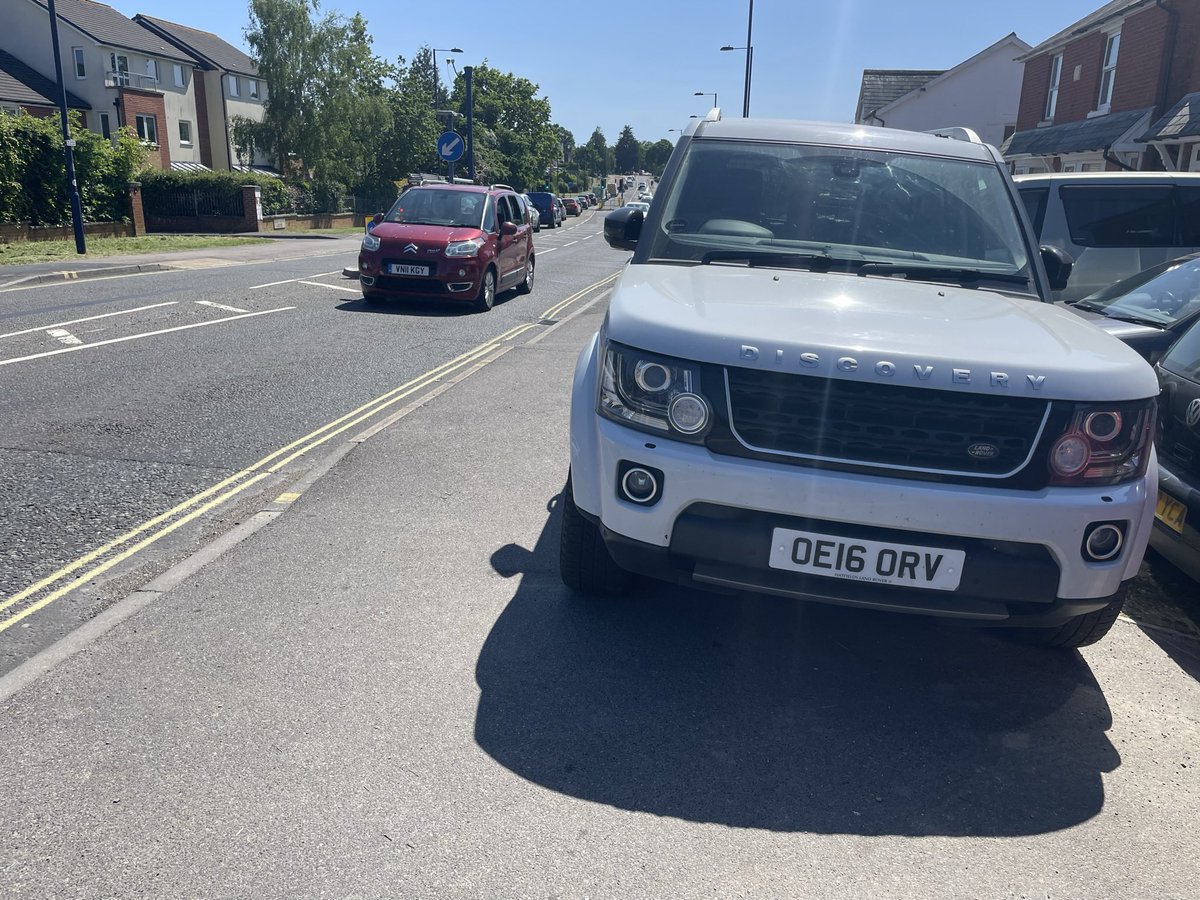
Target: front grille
882,425
408,285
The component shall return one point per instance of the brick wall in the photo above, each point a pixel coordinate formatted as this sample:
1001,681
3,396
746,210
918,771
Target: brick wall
1185,67
148,103
1034,86
202,117
1140,62
1078,98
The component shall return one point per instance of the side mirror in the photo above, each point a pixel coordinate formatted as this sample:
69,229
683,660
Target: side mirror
623,227
1058,263
508,228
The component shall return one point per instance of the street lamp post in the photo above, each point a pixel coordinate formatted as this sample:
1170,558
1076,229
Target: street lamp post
437,84
749,48
705,94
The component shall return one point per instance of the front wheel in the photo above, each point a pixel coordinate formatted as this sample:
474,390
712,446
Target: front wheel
584,563
486,298
1080,631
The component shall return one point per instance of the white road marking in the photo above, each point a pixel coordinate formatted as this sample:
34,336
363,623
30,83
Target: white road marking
291,280
548,250
569,243
134,337
332,287
221,306
123,312
63,335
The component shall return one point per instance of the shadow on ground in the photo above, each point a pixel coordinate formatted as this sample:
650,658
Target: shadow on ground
765,713
1165,603
412,306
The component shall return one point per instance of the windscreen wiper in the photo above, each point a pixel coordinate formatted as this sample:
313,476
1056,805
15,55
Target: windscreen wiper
817,262
940,273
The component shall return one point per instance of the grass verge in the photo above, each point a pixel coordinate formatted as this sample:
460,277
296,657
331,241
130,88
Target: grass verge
52,251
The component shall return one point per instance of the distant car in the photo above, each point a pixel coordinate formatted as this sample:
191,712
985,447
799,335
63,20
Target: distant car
547,207
572,206
645,196
1176,532
644,207
1150,310
535,217
560,209
584,201
449,241
641,185
592,197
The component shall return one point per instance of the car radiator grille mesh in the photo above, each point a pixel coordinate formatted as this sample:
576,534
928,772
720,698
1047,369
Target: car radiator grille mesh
882,425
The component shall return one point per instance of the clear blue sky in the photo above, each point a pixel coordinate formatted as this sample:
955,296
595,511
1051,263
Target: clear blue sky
623,62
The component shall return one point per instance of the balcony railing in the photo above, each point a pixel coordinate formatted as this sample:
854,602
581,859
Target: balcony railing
131,79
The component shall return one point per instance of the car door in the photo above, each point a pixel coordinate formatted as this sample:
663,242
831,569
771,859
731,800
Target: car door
511,253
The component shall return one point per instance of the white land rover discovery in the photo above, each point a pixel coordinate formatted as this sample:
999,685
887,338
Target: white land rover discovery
831,372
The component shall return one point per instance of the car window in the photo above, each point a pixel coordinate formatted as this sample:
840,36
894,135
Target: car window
1119,215
489,216
504,212
1035,206
1163,294
1184,357
850,203
430,206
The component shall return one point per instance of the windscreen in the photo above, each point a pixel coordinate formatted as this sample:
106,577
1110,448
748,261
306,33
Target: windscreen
852,204
1162,295
431,206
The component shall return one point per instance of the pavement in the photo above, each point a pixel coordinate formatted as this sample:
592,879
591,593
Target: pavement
386,691
281,246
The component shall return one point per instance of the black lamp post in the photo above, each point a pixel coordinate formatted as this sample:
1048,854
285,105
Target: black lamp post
749,48
68,141
437,84
705,94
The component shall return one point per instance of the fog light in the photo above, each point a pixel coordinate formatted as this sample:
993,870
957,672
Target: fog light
1070,454
639,485
1103,542
688,413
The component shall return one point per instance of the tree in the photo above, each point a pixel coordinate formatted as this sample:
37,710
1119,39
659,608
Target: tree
657,155
326,91
594,157
626,150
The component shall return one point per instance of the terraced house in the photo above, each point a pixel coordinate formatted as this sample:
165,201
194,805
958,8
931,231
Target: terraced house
126,74
1118,89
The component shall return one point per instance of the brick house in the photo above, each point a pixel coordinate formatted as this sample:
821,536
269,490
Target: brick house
23,89
227,85
1098,95
125,74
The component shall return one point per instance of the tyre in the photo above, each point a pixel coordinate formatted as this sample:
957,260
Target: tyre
486,298
1077,632
526,286
584,563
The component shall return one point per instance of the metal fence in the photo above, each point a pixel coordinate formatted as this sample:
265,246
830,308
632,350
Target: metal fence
310,203
195,202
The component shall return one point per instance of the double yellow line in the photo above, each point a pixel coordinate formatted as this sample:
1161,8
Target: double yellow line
45,591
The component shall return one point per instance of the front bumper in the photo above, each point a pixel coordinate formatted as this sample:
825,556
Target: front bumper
1181,549
713,525
460,280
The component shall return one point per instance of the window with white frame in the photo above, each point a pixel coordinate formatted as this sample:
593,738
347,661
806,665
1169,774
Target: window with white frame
118,65
252,88
1109,73
1055,78
152,70
77,57
177,71
233,88
147,129
185,133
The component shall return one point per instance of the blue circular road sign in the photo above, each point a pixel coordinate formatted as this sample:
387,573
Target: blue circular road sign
450,146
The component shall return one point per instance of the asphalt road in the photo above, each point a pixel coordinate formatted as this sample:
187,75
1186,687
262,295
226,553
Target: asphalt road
121,399
387,692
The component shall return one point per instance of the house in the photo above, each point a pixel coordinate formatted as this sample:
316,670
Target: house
981,93
1114,90
24,89
228,86
124,73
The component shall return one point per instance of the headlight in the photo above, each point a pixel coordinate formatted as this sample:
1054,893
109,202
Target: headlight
1105,443
654,393
370,242
464,248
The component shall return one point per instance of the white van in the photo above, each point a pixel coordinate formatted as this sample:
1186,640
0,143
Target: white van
1114,224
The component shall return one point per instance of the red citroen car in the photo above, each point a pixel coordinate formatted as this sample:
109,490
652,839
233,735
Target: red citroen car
459,242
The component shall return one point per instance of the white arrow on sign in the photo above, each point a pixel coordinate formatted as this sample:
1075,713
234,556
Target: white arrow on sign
450,145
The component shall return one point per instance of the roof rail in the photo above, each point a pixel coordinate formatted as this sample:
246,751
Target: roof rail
957,134
503,187
713,115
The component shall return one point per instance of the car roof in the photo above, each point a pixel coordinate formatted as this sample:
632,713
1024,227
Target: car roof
465,188
835,134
